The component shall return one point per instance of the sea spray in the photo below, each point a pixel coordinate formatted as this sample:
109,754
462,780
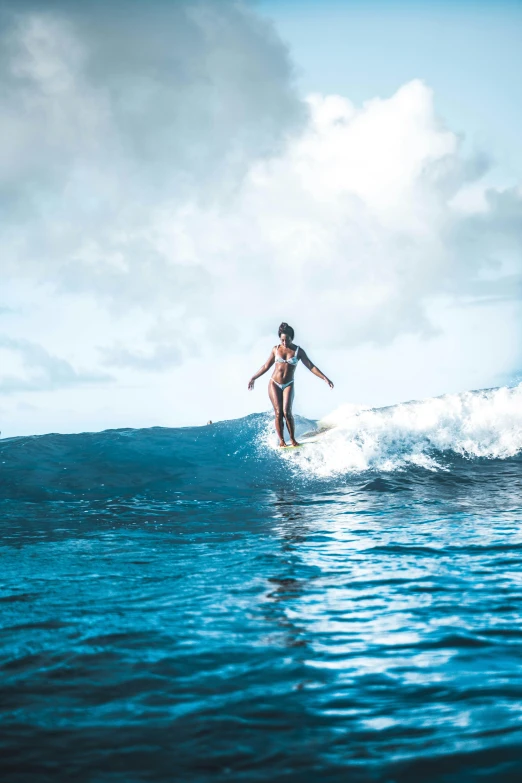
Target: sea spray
426,433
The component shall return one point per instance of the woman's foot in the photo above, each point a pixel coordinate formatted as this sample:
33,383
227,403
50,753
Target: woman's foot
295,443
282,444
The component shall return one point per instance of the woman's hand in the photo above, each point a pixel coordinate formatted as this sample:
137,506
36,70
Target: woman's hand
266,366
328,381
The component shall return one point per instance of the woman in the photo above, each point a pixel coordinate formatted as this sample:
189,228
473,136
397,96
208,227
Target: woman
281,385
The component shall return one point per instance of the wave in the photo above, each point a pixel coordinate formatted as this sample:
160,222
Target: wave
232,457
472,424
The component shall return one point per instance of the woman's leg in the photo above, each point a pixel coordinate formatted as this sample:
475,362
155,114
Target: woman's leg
288,398
276,398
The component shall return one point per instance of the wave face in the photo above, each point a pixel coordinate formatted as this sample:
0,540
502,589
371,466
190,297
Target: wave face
240,454
196,604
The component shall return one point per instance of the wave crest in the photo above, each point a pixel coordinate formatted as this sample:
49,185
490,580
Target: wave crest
471,424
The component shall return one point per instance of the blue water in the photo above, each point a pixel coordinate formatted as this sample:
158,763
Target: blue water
191,604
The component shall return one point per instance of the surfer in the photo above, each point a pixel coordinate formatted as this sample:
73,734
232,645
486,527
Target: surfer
281,385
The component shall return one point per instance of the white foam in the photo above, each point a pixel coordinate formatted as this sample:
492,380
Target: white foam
472,424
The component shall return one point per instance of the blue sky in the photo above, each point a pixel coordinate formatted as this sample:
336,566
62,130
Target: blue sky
470,53
178,180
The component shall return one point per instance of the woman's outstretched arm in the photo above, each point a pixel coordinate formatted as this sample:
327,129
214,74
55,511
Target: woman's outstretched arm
311,366
266,366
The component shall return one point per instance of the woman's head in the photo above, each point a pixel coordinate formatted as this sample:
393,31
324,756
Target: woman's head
286,329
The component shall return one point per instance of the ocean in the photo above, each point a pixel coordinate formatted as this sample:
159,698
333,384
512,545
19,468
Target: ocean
194,604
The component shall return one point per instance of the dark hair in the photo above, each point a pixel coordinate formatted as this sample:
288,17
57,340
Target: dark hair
286,329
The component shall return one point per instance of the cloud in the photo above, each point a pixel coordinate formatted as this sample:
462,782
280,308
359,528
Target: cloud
353,230
108,111
159,160
163,355
38,370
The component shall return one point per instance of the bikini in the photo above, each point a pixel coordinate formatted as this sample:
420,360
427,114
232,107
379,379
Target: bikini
279,360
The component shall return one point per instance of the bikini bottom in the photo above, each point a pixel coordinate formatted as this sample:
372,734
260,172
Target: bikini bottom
282,385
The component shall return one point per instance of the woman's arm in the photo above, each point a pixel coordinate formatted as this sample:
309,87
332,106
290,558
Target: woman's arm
315,370
266,366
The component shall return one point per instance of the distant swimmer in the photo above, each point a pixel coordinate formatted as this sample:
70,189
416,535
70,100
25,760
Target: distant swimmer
281,386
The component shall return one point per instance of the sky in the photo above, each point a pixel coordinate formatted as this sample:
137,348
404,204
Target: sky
468,52
177,178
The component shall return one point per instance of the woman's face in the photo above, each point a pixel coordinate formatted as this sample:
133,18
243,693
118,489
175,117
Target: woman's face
285,339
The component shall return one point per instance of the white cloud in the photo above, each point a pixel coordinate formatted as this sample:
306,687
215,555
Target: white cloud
355,224
106,112
27,366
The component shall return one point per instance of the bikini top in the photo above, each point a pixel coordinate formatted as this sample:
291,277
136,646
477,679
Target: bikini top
293,360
